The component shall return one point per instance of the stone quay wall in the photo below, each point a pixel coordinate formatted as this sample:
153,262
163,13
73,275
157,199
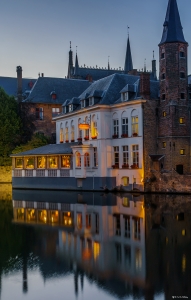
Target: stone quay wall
6,174
168,182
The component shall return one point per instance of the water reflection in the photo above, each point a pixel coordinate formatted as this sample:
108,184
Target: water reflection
106,246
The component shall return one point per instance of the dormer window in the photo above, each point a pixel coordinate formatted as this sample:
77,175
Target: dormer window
70,107
64,110
125,96
83,103
53,95
91,101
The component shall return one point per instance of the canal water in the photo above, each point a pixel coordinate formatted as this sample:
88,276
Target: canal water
72,245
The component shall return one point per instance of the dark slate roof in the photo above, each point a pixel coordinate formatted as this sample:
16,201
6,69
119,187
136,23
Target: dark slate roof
48,149
128,59
64,88
172,31
97,74
9,84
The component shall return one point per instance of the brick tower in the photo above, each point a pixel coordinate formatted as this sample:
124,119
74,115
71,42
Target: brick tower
173,113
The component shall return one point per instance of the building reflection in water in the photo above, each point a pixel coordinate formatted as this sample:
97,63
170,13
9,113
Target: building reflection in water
128,245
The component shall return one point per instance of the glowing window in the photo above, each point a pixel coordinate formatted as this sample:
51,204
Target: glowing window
41,162
182,120
164,144
53,162
183,232
19,163
29,163
164,113
182,151
125,181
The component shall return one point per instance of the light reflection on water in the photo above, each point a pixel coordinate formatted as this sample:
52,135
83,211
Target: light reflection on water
94,246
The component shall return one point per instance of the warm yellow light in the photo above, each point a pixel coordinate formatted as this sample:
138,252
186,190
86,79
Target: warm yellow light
184,263
70,222
83,126
183,232
96,250
68,214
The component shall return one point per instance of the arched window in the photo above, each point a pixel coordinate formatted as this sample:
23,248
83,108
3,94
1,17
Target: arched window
87,130
78,160
182,53
61,134
72,132
86,160
115,125
124,125
134,123
79,130
66,133
163,54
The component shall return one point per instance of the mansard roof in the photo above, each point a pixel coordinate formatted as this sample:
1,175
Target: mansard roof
64,88
96,73
172,31
9,84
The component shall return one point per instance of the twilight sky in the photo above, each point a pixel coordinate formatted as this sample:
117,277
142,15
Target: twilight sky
36,34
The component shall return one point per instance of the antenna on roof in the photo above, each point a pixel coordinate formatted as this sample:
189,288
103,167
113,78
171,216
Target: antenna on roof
128,30
70,45
108,63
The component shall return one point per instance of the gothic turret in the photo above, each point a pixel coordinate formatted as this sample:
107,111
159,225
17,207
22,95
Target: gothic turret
70,63
128,59
172,31
76,69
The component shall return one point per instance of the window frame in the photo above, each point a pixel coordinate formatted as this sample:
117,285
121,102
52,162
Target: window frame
40,113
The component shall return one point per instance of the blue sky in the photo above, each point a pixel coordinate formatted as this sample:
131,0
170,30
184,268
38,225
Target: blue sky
36,34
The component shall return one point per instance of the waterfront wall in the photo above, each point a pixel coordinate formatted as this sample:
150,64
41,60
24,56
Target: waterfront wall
167,182
5,174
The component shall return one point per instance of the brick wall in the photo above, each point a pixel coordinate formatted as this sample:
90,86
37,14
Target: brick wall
5,174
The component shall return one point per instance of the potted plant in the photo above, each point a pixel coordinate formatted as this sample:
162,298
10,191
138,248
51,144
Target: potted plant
66,141
86,138
79,139
135,134
124,135
125,166
72,141
94,137
134,166
61,142
115,166
115,136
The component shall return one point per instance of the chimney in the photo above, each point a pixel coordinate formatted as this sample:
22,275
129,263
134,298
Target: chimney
133,72
145,85
19,83
42,74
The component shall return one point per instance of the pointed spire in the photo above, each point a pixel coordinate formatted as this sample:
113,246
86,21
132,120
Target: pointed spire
108,63
145,67
172,31
128,59
70,63
76,70
154,70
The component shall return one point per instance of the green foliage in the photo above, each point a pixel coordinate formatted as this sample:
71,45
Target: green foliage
37,140
10,126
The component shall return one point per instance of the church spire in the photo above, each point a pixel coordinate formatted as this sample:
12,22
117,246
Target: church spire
172,31
76,70
70,63
128,59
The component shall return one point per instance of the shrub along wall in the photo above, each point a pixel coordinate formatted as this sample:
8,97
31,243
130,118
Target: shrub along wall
5,174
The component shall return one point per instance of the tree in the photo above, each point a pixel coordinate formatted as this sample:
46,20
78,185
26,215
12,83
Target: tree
10,125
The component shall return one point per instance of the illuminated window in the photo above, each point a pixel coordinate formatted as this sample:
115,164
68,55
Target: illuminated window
126,202
21,214
135,125
78,160
94,129
42,216
88,221
65,161
125,181
29,163
67,218
54,216
164,113
41,162
182,151
79,220
86,160
96,250
163,144
31,215
72,133
66,135
61,135
53,162
183,263
19,163
183,232
182,120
